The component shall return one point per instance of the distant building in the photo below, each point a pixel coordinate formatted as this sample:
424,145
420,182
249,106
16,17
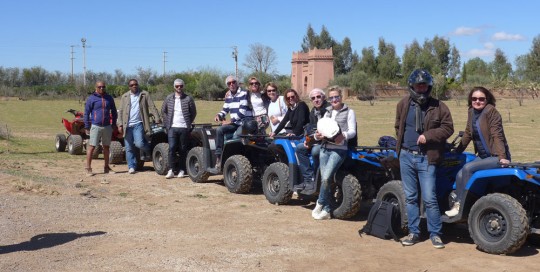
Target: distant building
310,70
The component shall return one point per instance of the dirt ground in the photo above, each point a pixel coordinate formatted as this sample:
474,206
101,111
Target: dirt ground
52,218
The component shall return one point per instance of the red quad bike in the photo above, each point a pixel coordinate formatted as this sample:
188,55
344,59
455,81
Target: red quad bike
77,139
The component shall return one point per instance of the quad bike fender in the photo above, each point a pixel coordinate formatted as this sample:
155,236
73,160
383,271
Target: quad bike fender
498,178
289,148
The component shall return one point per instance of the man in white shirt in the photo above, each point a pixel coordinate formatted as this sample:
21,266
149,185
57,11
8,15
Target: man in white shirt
179,112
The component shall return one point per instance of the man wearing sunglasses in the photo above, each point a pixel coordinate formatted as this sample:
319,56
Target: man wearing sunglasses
308,186
237,105
178,112
98,111
136,110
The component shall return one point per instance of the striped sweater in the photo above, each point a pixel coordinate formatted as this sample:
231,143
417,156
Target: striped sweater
237,106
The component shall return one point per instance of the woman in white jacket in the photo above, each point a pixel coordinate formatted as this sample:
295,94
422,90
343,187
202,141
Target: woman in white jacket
277,107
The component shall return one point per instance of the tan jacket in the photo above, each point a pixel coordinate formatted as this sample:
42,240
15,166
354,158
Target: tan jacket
147,108
438,127
492,130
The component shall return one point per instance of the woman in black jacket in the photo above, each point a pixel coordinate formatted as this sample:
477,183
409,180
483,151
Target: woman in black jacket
297,114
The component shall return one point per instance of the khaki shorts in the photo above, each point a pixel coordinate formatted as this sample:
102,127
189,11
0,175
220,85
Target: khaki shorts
98,133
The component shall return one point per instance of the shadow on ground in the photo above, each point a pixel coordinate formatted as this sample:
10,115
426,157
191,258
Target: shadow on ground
46,240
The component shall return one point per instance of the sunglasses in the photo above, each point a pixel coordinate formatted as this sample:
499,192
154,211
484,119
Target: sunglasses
291,97
337,97
179,86
254,83
133,85
316,97
101,87
480,99
271,91
230,83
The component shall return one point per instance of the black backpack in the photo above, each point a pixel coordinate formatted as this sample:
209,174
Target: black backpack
387,142
380,221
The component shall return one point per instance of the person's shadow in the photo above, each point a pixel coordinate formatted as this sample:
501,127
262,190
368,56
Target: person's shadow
46,240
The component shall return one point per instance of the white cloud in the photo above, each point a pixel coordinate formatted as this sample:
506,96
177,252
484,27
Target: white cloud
466,31
487,51
489,45
503,36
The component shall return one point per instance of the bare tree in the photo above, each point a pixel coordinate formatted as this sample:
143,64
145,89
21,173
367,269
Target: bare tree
261,58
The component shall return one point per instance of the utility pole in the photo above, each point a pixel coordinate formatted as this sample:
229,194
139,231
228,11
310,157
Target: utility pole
72,58
164,60
235,57
83,40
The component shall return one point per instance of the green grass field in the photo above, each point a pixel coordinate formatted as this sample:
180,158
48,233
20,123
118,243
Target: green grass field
33,124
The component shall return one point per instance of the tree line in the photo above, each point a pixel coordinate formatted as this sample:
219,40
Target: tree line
362,73
376,67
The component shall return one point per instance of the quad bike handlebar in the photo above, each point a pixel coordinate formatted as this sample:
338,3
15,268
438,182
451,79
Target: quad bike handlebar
75,113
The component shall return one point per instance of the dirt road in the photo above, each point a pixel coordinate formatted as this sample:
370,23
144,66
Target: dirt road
54,219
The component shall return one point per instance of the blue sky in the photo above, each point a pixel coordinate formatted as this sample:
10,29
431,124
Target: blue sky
200,34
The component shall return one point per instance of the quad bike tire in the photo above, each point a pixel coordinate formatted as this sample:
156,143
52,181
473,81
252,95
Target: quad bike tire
75,145
160,158
498,224
116,153
195,165
275,183
393,192
237,174
60,143
346,195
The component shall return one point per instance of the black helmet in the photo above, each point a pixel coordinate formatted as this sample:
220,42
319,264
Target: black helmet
416,77
250,126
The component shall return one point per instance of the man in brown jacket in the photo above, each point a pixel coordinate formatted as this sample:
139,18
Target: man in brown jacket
135,112
423,124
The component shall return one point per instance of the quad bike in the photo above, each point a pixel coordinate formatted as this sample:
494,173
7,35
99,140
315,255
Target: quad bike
500,206
243,160
76,140
359,177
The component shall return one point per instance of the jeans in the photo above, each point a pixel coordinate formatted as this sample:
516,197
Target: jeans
177,138
331,160
307,170
469,169
415,170
134,138
220,134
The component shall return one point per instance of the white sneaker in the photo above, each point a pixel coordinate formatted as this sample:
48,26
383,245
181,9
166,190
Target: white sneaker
181,174
170,174
131,170
454,211
317,210
323,215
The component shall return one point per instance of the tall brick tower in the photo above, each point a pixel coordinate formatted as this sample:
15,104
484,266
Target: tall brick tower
313,69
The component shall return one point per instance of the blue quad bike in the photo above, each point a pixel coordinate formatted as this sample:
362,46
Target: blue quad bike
244,158
500,206
364,171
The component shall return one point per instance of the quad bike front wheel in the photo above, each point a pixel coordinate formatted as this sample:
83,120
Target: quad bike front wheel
498,224
60,143
75,144
346,195
393,192
275,183
160,158
116,153
195,166
237,174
